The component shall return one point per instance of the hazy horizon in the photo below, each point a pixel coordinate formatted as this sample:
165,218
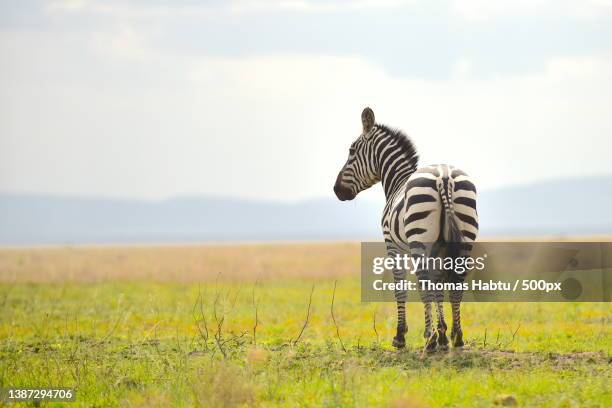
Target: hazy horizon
526,210
374,193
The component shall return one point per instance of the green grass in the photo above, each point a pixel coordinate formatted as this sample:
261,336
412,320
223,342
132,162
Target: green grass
143,344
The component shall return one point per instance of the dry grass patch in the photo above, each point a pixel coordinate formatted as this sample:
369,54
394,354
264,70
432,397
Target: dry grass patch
181,264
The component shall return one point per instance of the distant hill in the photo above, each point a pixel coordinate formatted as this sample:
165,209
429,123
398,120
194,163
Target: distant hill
562,207
577,206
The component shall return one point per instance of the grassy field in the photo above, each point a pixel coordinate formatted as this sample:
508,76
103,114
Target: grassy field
220,326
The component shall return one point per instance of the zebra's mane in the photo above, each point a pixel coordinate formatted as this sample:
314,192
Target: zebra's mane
404,143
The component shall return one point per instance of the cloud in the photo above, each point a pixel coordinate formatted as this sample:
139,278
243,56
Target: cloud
125,42
582,68
407,38
315,6
83,116
266,104
472,10
144,9
487,10
68,5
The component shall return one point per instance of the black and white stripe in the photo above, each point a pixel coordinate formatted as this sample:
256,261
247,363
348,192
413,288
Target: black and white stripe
429,210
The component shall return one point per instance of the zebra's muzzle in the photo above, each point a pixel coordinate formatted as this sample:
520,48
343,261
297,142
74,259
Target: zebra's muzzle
342,191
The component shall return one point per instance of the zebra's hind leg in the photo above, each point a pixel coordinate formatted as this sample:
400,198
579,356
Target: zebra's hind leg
424,279
442,339
456,331
429,334
455,297
438,295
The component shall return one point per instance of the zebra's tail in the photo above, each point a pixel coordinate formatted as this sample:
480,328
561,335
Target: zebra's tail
450,229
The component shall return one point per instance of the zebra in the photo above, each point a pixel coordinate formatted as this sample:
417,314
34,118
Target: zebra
429,211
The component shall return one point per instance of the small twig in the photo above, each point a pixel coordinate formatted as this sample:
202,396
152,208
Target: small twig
433,333
199,304
178,341
334,318
235,338
255,306
205,335
236,296
150,331
307,317
374,326
111,331
156,345
513,335
484,344
221,340
218,336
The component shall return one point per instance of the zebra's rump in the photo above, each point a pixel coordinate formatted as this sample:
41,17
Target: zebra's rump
436,201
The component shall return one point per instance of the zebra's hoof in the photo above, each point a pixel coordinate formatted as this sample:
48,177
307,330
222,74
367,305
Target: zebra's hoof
432,343
399,342
443,341
457,339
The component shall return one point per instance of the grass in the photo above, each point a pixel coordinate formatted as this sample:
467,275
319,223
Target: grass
174,326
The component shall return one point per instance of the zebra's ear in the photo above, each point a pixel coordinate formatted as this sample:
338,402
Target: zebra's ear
367,119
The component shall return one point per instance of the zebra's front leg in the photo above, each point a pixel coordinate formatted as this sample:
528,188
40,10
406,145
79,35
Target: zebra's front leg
399,341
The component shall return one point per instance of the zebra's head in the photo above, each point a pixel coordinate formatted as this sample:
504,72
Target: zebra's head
359,172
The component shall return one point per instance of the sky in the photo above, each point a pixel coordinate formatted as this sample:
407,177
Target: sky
261,98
